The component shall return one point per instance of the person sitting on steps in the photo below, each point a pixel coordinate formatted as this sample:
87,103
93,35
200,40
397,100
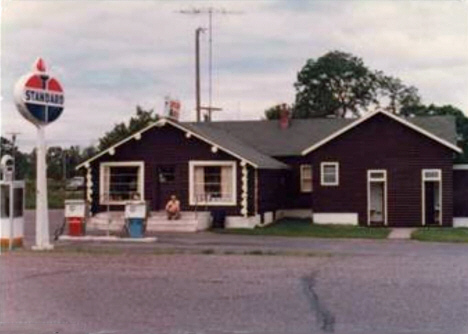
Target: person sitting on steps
173,208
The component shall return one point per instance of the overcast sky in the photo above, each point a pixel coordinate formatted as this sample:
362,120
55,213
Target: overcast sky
112,55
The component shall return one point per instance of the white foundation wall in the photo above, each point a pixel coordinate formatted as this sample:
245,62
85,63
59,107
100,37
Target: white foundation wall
18,228
336,218
460,221
242,222
203,221
268,218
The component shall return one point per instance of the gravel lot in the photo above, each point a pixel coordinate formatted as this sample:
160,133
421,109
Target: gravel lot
358,287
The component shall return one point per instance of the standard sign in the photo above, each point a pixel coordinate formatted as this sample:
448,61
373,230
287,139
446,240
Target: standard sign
39,97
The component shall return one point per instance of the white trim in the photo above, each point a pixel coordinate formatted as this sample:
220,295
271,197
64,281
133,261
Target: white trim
160,123
460,167
141,179
194,163
371,179
337,173
302,167
347,218
369,116
423,194
245,191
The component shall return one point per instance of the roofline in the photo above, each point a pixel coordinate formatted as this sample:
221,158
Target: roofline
161,122
369,116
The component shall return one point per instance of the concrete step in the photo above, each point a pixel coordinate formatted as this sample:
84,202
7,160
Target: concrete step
157,222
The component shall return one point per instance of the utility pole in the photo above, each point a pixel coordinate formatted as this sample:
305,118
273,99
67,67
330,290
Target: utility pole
197,71
210,11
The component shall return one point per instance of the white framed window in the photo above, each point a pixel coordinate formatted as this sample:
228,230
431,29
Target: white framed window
432,174
377,175
329,174
306,178
121,182
212,183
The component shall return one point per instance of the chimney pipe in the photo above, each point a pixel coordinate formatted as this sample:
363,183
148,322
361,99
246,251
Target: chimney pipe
284,119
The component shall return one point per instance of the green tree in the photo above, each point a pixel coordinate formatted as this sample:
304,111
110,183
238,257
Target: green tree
120,131
336,84
275,111
55,162
398,94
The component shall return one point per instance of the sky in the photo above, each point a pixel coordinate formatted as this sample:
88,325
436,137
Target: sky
113,55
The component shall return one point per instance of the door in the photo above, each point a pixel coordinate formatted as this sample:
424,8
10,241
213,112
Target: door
431,197
377,197
166,184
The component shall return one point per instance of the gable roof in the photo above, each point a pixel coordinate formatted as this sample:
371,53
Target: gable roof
215,137
234,144
267,137
258,142
409,122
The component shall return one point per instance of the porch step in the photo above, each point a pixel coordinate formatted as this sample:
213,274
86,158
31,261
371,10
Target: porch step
157,222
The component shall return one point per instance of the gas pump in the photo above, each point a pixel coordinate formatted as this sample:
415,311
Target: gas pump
12,206
76,212
135,218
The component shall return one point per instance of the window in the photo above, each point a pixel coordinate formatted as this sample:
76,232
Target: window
432,174
5,201
329,173
212,182
18,194
120,182
17,204
306,178
377,175
166,174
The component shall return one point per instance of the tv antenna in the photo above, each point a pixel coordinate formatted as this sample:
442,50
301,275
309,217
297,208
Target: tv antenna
210,11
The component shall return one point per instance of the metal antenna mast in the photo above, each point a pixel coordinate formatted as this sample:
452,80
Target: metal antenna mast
210,11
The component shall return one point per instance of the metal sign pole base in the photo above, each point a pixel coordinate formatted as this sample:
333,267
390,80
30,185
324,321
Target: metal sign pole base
42,214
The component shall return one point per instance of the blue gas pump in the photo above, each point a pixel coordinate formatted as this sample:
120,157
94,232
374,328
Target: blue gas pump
135,218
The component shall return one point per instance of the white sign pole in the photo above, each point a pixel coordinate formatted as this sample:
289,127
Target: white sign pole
39,98
42,215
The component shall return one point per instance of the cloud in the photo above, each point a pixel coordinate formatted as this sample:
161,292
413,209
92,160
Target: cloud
113,55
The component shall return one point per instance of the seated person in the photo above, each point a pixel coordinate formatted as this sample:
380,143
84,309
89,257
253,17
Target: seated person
173,208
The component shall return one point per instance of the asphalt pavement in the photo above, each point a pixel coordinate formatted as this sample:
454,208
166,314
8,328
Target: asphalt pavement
236,284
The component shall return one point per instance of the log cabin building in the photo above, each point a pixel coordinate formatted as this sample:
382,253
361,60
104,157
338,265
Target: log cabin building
377,170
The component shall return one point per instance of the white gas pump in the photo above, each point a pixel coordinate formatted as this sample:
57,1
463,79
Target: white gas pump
12,206
76,212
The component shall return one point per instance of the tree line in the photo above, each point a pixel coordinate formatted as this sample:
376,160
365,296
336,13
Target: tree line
337,84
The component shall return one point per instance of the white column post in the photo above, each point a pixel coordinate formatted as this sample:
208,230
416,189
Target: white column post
42,214
244,193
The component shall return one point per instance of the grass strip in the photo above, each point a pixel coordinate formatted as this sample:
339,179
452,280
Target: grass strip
441,234
289,227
